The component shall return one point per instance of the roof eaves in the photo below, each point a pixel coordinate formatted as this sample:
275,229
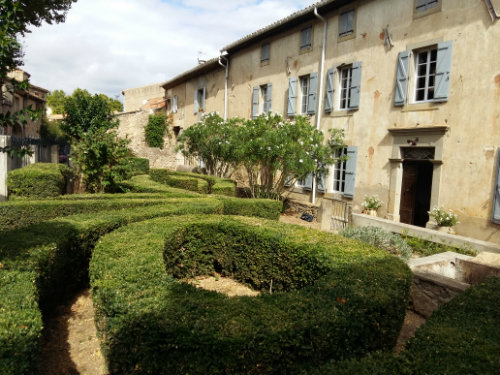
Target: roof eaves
199,69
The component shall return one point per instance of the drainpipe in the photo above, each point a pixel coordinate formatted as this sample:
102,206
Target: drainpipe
320,94
491,8
223,56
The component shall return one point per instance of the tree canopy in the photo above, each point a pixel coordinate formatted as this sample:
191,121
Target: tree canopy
56,99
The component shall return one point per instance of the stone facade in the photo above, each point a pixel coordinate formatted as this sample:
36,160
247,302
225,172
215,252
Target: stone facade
135,98
416,92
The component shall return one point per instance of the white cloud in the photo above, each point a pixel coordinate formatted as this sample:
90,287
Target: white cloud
109,45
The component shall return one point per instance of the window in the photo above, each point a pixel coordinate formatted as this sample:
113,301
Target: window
346,23
199,100
264,53
432,69
345,87
425,74
306,38
339,171
262,99
168,105
265,101
175,104
304,93
423,5
349,86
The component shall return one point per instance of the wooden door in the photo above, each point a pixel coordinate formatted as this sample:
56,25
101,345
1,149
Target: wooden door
416,192
408,192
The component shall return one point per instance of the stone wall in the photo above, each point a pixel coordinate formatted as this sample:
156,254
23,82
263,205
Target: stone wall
133,99
132,127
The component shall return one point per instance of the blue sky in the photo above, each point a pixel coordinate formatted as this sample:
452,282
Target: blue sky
106,46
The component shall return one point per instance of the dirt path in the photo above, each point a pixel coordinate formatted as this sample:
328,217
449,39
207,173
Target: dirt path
70,344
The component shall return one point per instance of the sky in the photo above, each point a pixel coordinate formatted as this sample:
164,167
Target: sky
106,46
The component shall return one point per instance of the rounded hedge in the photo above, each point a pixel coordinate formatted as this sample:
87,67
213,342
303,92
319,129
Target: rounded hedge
331,297
39,180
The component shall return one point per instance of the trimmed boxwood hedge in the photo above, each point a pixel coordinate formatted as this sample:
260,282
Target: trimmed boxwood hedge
332,297
461,337
200,183
48,262
144,184
39,180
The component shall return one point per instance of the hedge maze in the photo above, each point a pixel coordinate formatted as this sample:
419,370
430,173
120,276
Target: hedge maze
327,305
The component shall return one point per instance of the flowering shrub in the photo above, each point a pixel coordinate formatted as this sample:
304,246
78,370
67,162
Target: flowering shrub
371,203
444,218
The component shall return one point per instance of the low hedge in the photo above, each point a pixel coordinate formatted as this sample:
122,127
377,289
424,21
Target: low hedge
39,180
138,165
182,182
265,208
144,184
461,337
215,185
48,262
332,297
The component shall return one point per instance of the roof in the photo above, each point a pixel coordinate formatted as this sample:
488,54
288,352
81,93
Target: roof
291,20
201,68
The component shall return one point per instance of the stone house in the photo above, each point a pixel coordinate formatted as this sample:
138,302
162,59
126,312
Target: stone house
414,84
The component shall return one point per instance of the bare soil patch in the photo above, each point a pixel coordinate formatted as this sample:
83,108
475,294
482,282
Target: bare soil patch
294,218
70,343
224,285
411,323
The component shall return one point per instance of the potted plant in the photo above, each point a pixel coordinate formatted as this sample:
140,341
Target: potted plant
371,204
445,220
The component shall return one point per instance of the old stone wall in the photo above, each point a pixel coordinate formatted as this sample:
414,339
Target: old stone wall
132,127
133,99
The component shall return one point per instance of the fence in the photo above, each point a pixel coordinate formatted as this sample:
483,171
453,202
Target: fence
341,214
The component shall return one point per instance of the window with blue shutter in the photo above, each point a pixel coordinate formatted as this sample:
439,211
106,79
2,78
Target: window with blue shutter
313,88
495,217
355,89
307,182
264,53
443,69
346,23
292,96
255,102
175,104
196,105
330,75
401,78
350,171
269,98
321,181
306,38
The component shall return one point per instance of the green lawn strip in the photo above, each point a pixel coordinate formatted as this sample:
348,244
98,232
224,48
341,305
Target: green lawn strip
461,337
351,297
425,248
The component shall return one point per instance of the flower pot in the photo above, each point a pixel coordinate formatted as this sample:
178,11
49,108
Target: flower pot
371,212
448,230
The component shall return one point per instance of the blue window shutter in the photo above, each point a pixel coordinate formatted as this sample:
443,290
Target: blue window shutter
308,182
350,171
330,75
443,69
401,78
255,102
196,106
203,98
321,180
292,96
355,85
313,88
496,197
269,98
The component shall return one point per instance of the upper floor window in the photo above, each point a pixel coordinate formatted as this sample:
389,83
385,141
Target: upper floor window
346,23
306,38
264,53
199,100
339,169
423,5
304,93
345,87
262,99
425,74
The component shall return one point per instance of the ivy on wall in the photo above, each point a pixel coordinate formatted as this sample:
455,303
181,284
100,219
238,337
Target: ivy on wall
155,130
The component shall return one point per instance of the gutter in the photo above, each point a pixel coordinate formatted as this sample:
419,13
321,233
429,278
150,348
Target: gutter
223,56
491,9
320,94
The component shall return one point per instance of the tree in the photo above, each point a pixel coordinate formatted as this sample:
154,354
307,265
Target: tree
55,100
15,19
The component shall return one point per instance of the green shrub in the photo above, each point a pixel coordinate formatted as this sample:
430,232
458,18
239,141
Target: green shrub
144,184
425,247
138,165
39,180
378,237
179,181
155,130
265,208
338,297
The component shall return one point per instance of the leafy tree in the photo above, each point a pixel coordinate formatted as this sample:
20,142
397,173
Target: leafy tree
55,100
15,19
86,113
211,140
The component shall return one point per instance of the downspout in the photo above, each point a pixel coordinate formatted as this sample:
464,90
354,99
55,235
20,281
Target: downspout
491,8
221,56
320,94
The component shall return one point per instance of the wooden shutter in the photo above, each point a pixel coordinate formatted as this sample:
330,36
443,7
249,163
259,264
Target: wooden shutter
443,69
495,217
311,94
321,180
308,182
354,91
175,104
292,96
269,98
255,102
401,78
330,75
350,171
196,104
203,98
265,53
